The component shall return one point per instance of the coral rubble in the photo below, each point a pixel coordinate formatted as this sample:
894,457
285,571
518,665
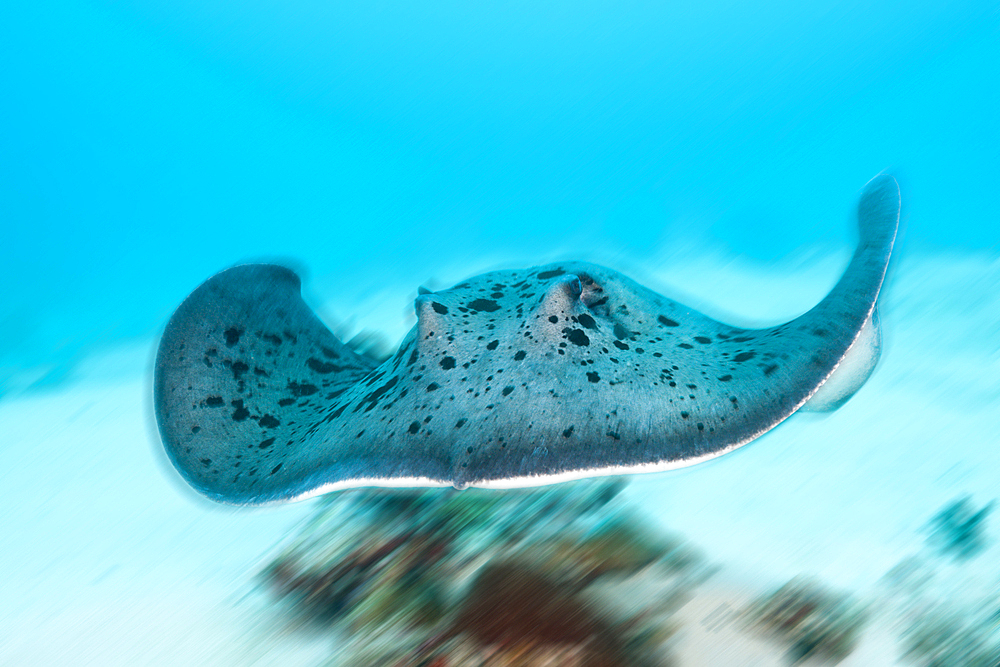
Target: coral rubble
811,621
562,575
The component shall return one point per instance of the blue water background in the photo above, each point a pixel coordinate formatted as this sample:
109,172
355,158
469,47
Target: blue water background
717,147
146,145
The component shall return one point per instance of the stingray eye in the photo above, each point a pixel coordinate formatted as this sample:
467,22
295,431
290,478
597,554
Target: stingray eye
568,284
593,294
574,286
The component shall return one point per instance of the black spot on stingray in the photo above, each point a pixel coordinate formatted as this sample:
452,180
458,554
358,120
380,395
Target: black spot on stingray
205,462
328,353
480,305
267,421
593,377
195,429
685,415
742,339
273,339
285,402
461,422
492,345
238,369
701,427
276,468
613,434
266,443
686,346
620,345
576,336
587,321
667,322
553,319
214,402
240,413
448,363
725,378
232,335
568,432
770,369
304,389
744,356
414,427
507,390
439,308
413,358
621,332
432,386
521,354
372,399
323,367
546,275
703,340
821,333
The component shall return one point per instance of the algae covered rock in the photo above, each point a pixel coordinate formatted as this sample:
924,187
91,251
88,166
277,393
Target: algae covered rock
444,577
812,621
958,530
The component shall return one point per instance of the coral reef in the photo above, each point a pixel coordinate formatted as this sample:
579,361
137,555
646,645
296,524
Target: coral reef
945,608
811,621
562,575
946,638
945,615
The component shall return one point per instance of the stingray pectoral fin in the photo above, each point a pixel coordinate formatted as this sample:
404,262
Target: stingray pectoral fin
245,375
853,371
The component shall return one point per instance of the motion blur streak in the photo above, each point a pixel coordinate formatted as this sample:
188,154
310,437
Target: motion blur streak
713,152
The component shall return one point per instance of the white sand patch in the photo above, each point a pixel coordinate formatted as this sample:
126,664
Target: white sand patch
106,556
178,626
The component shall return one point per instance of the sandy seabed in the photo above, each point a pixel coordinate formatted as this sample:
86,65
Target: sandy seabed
108,559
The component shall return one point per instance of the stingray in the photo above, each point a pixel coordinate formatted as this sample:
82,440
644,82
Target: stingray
511,378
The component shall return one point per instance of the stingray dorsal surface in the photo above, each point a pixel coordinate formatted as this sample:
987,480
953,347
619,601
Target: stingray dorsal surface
511,378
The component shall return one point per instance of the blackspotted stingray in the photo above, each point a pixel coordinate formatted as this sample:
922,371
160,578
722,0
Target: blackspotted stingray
511,378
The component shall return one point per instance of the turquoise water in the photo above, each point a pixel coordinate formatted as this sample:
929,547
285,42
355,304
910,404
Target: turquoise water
712,150
147,145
